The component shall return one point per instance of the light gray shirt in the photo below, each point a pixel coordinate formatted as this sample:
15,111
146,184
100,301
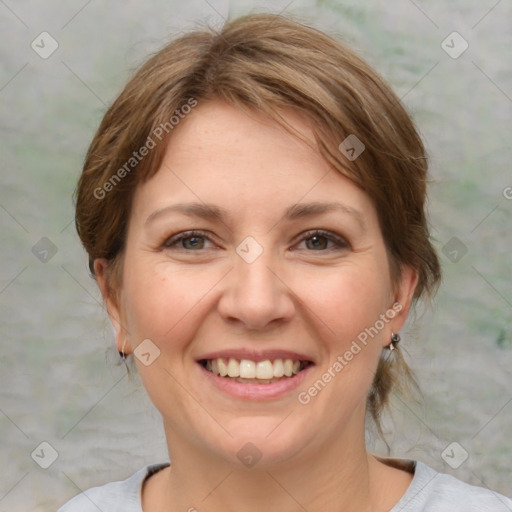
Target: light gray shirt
429,491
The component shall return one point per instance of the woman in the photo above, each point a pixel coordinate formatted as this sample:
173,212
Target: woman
253,209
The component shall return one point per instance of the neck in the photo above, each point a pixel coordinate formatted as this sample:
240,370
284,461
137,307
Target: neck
306,486
342,476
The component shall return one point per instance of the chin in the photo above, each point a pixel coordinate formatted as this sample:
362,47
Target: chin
262,442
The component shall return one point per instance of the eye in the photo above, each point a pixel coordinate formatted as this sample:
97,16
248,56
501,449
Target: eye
316,240
188,240
319,240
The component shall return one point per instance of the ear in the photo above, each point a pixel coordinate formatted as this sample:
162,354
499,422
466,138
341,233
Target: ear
403,296
101,271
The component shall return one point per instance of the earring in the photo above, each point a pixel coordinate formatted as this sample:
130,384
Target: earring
395,338
122,352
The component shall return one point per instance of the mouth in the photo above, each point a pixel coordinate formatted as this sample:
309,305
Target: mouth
247,371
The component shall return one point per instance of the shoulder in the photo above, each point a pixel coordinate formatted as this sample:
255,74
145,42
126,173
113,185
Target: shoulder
431,491
122,496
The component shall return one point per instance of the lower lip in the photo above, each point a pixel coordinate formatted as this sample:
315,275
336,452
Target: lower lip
255,391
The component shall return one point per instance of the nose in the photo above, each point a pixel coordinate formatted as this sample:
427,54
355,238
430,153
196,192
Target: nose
256,296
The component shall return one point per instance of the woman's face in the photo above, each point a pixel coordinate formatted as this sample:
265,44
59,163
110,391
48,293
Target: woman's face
286,262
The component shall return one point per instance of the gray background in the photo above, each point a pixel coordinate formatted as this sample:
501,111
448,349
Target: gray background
60,380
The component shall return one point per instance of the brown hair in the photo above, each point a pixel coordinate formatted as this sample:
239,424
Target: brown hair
267,63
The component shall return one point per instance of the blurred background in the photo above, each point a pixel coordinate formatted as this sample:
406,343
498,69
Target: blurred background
61,383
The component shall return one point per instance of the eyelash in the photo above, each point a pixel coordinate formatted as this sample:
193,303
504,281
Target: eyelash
340,242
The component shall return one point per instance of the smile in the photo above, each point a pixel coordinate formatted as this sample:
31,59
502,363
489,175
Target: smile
255,372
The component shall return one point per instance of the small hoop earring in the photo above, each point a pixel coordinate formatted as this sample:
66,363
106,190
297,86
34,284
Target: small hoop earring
122,352
395,338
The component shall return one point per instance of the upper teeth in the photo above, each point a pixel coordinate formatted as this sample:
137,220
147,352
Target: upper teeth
247,369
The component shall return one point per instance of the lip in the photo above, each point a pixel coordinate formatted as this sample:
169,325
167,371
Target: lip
256,355
254,391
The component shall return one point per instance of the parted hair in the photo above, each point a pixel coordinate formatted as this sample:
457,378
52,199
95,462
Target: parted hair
267,63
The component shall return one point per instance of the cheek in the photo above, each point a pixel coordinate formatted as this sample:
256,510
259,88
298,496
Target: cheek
160,302
349,305
345,301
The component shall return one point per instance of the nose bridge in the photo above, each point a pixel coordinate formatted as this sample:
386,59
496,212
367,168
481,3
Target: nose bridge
256,296
254,278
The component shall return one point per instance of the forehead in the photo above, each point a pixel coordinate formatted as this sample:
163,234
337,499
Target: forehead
249,138
243,160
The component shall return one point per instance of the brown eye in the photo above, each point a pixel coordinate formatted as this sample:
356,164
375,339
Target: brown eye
192,242
319,241
189,241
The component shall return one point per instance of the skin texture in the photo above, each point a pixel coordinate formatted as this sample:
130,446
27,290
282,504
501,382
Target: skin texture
301,294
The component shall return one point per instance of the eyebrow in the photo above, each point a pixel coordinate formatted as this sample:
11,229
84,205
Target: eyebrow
294,212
